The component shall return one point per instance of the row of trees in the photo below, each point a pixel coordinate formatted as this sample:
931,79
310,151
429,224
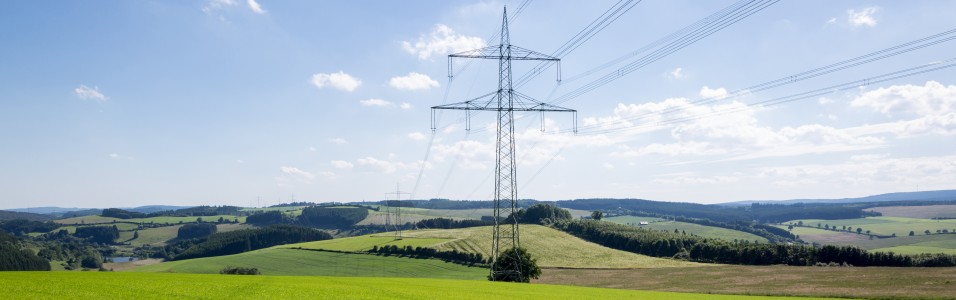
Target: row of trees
22,226
234,242
762,213
464,258
317,216
694,248
444,223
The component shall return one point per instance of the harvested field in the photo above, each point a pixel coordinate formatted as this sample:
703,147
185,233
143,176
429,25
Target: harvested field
919,212
844,282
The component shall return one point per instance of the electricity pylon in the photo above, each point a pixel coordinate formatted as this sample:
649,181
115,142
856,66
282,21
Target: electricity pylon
505,101
397,211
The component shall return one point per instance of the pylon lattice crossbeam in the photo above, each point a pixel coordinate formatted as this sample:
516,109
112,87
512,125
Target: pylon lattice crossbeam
505,101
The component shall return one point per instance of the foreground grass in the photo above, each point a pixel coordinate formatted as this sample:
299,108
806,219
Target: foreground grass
103,285
278,261
870,282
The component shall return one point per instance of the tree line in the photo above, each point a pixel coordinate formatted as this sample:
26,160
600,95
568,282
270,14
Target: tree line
453,256
699,249
317,216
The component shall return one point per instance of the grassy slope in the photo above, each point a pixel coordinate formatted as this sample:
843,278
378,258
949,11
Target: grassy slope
690,228
551,247
90,285
870,282
278,261
366,242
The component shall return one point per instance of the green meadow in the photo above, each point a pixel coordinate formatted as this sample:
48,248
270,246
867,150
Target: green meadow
114,285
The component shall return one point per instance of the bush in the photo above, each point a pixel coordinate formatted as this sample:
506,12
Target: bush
506,261
239,271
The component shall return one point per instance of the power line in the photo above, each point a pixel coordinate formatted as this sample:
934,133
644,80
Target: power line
903,73
816,72
735,15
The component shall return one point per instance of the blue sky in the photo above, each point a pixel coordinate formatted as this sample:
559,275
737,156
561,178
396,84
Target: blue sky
127,103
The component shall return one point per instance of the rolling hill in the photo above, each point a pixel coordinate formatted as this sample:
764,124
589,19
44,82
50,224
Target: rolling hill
551,247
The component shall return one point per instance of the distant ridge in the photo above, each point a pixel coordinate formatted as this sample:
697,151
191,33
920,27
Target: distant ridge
941,195
55,210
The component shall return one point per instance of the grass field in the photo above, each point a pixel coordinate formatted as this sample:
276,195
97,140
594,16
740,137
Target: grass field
551,247
690,228
918,212
870,282
919,243
113,285
280,261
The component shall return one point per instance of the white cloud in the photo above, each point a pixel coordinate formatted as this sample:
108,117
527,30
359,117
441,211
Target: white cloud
442,40
213,5
372,164
824,100
709,93
418,136
677,74
114,155
338,141
239,161
608,166
296,172
341,164
413,81
832,21
376,103
329,175
405,106
338,80
87,93
863,17
255,7
933,98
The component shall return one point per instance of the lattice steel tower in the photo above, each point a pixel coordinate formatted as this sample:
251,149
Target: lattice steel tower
505,101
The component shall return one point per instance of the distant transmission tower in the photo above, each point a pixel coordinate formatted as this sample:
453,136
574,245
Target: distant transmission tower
505,101
395,211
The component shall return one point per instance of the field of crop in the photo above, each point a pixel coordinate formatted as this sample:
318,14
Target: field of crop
280,261
887,225
551,247
827,237
115,285
690,228
870,282
919,212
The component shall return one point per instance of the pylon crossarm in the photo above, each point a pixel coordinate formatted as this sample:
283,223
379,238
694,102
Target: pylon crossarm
495,52
473,104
